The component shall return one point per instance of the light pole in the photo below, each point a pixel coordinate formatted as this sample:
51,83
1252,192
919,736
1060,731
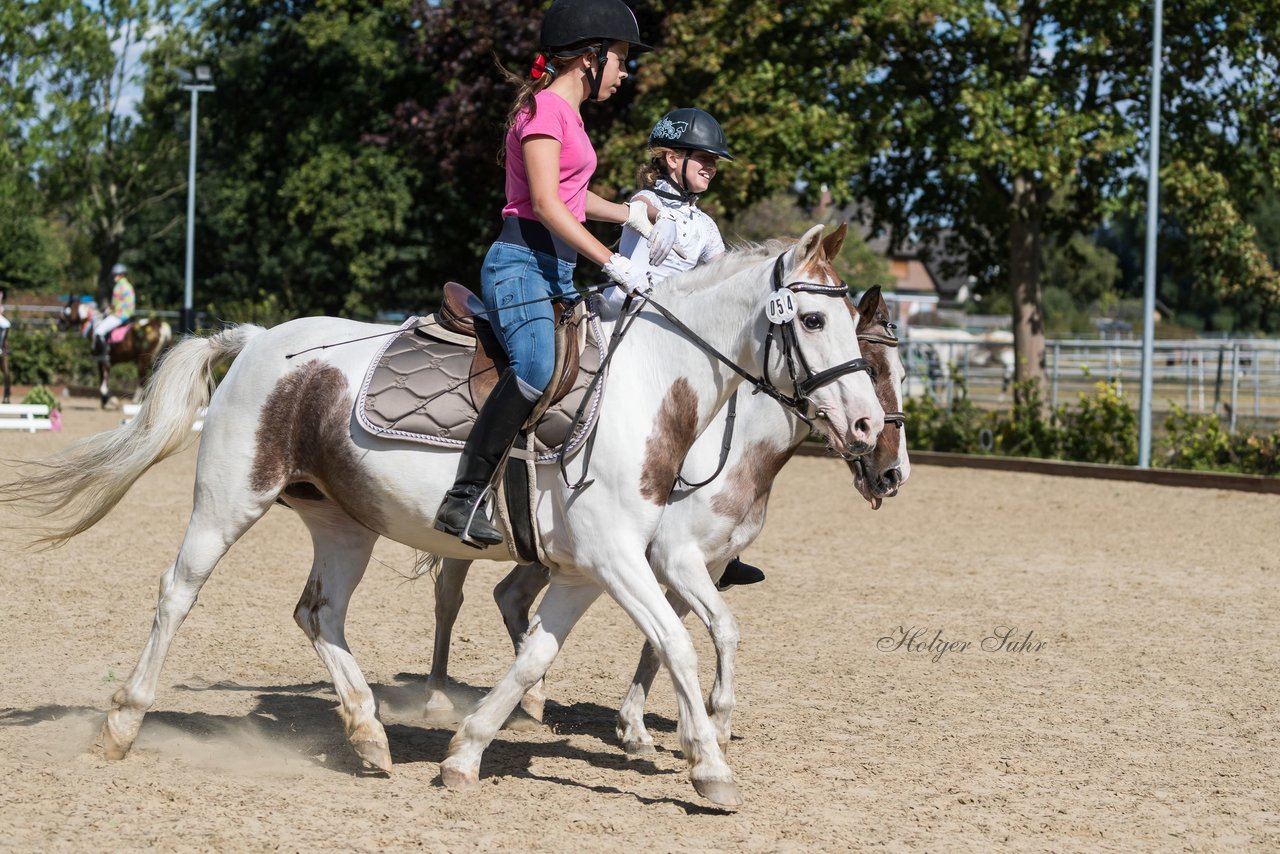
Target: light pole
1149,262
202,81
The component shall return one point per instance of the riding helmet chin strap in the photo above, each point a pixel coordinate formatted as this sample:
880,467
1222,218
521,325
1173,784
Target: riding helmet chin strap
681,194
594,80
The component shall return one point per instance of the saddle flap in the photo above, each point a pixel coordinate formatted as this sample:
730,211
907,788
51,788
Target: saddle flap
420,387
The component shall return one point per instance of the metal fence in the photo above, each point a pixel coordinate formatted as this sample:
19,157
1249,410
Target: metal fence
1233,378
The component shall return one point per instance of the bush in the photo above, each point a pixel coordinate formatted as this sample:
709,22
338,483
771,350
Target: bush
41,396
41,356
1200,443
933,426
1029,429
1104,429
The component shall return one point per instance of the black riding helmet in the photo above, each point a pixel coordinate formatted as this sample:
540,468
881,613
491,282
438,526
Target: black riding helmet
572,27
688,129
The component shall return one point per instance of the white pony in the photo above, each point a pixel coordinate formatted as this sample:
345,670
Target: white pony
701,531
280,427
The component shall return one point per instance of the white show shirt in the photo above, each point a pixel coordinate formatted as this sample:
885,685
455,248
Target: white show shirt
697,236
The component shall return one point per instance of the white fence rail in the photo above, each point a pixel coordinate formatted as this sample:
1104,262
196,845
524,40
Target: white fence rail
1235,379
23,416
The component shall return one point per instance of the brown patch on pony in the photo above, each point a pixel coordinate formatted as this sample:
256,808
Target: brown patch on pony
304,434
674,432
820,266
746,490
872,317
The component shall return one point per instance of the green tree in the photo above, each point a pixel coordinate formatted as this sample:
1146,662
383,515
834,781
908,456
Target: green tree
302,194
71,80
1005,125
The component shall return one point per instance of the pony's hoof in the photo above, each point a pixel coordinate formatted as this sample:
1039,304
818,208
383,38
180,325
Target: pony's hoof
441,716
456,776
110,747
639,748
521,722
375,754
722,793
533,706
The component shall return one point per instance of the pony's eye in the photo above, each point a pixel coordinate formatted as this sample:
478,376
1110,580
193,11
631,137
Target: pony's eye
814,320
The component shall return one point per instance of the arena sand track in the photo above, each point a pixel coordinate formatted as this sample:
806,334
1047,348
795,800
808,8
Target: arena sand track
1148,720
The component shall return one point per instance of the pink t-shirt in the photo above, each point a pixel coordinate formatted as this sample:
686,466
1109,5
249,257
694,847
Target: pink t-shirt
556,119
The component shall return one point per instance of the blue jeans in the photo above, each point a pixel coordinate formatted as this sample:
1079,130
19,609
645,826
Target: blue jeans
512,275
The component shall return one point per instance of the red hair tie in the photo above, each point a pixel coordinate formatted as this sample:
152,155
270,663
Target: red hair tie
539,67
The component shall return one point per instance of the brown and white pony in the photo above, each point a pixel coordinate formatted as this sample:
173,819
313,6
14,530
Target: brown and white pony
281,428
141,341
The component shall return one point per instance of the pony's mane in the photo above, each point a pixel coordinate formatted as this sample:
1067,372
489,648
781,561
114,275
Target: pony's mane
731,263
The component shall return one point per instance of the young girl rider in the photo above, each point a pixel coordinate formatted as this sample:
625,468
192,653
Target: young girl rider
549,163
685,148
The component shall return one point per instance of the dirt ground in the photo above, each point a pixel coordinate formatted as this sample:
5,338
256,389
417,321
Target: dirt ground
1141,715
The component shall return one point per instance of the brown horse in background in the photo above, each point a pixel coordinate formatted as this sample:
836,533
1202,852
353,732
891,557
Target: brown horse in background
142,343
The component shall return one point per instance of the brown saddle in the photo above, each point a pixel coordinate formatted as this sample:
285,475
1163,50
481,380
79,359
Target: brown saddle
462,312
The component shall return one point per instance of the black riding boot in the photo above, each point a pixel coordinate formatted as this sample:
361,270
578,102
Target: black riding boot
738,573
500,419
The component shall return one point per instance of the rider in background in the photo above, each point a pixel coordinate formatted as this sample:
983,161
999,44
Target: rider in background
549,163
122,306
4,321
685,149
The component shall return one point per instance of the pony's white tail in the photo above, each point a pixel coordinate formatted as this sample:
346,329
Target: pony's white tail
79,485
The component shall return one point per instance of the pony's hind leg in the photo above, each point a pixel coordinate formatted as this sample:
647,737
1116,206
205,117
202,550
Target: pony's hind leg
342,551
560,610
448,588
209,535
514,595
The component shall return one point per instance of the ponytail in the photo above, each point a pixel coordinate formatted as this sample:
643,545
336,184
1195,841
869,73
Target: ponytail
527,87
653,169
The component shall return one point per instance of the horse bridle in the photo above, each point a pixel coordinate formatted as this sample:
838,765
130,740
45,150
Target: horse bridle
799,403
897,417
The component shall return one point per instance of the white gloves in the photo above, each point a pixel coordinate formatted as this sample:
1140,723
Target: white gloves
630,278
663,238
638,218
662,234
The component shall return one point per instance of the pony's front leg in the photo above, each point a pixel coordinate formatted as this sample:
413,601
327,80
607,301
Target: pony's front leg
633,586
693,585
562,607
515,594
449,581
342,551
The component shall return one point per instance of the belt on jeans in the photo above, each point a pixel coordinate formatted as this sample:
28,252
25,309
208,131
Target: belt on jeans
532,234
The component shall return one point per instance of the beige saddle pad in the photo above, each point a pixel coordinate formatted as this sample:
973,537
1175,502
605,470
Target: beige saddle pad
419,389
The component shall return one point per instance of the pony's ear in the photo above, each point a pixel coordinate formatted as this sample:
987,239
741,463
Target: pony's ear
805,249
832,242
868,307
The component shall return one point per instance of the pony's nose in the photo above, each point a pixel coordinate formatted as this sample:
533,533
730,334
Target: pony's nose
890,480
865,431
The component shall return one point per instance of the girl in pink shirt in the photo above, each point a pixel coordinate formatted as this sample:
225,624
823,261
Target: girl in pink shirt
549,163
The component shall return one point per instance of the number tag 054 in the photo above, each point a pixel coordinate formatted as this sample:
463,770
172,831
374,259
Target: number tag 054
781,307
